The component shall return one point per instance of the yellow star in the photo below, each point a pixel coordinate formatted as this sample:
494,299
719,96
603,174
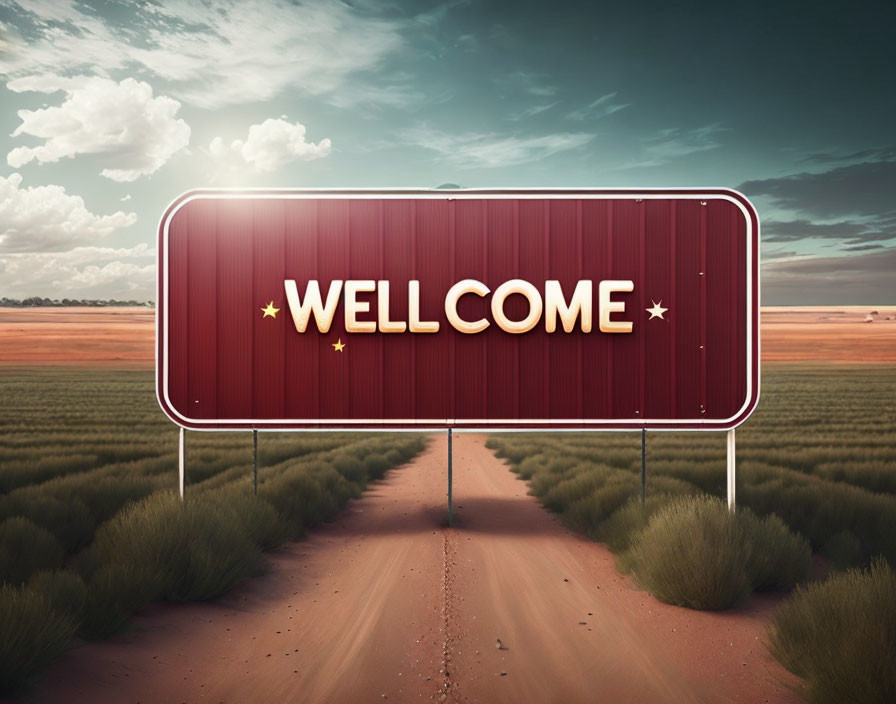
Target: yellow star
338,345
270,311
657,310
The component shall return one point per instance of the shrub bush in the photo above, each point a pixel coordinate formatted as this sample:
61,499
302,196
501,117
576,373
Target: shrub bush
65,590
691,554
195,547
68,520
32,634
778,557
26,548
695,553
840,636
259,518
621,528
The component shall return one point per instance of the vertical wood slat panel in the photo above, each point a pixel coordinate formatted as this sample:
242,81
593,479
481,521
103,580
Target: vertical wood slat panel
685,317
596,347
470,376
433,389
657,334
332,251
236,319
363,363
626,348
202,293
398,261
563,349
502,348
533,360
178,304
302,351
268,246
724,339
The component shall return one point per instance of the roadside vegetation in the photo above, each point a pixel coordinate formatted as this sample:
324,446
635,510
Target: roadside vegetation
92,529
816,474
840,636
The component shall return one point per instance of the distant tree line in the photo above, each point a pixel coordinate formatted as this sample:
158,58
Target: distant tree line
36,302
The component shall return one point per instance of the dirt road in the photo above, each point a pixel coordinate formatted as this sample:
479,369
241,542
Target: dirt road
387,603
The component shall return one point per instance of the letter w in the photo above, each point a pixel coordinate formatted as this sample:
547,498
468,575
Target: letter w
302,310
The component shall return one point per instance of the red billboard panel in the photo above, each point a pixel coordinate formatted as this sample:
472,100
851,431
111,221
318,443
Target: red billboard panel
493,309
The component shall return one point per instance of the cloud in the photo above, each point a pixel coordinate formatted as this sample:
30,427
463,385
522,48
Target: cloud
46,218
83,272
212,53
134,132
846,280
884,154
493,150
270,145
596,109
527,82
852,232
861,189
125,197
674,143
532,111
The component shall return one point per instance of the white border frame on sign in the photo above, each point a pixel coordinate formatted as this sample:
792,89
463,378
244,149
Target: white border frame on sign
479,425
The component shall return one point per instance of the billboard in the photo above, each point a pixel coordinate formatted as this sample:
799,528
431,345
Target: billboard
490,309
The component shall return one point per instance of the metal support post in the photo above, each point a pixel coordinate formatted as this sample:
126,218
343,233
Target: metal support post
181,461
450,480
255,461
731,470
643,464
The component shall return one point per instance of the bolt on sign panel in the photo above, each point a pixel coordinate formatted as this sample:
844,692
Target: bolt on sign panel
494,309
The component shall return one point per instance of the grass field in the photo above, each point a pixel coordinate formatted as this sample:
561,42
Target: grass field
820,452
816,467
91,528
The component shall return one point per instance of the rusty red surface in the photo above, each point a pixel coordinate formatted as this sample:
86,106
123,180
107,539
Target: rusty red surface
224,255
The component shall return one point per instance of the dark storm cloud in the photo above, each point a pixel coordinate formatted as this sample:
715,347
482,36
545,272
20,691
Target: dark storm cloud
863,247
853,233
847,280
864,189
886,154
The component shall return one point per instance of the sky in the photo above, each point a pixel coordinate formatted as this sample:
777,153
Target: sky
109,110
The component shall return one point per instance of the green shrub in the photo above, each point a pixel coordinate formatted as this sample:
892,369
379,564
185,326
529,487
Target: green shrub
164,548
692,553
623,525
588,513
840,636
352,469
300,500
26,548
376,464
195,547
64,588
778,558
32,634
114,592
845,550
69,520
259,518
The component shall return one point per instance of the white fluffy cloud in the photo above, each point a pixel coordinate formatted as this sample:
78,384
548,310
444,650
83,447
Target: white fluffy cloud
46,218
213,53
270,145
135,132
84,272
490,150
